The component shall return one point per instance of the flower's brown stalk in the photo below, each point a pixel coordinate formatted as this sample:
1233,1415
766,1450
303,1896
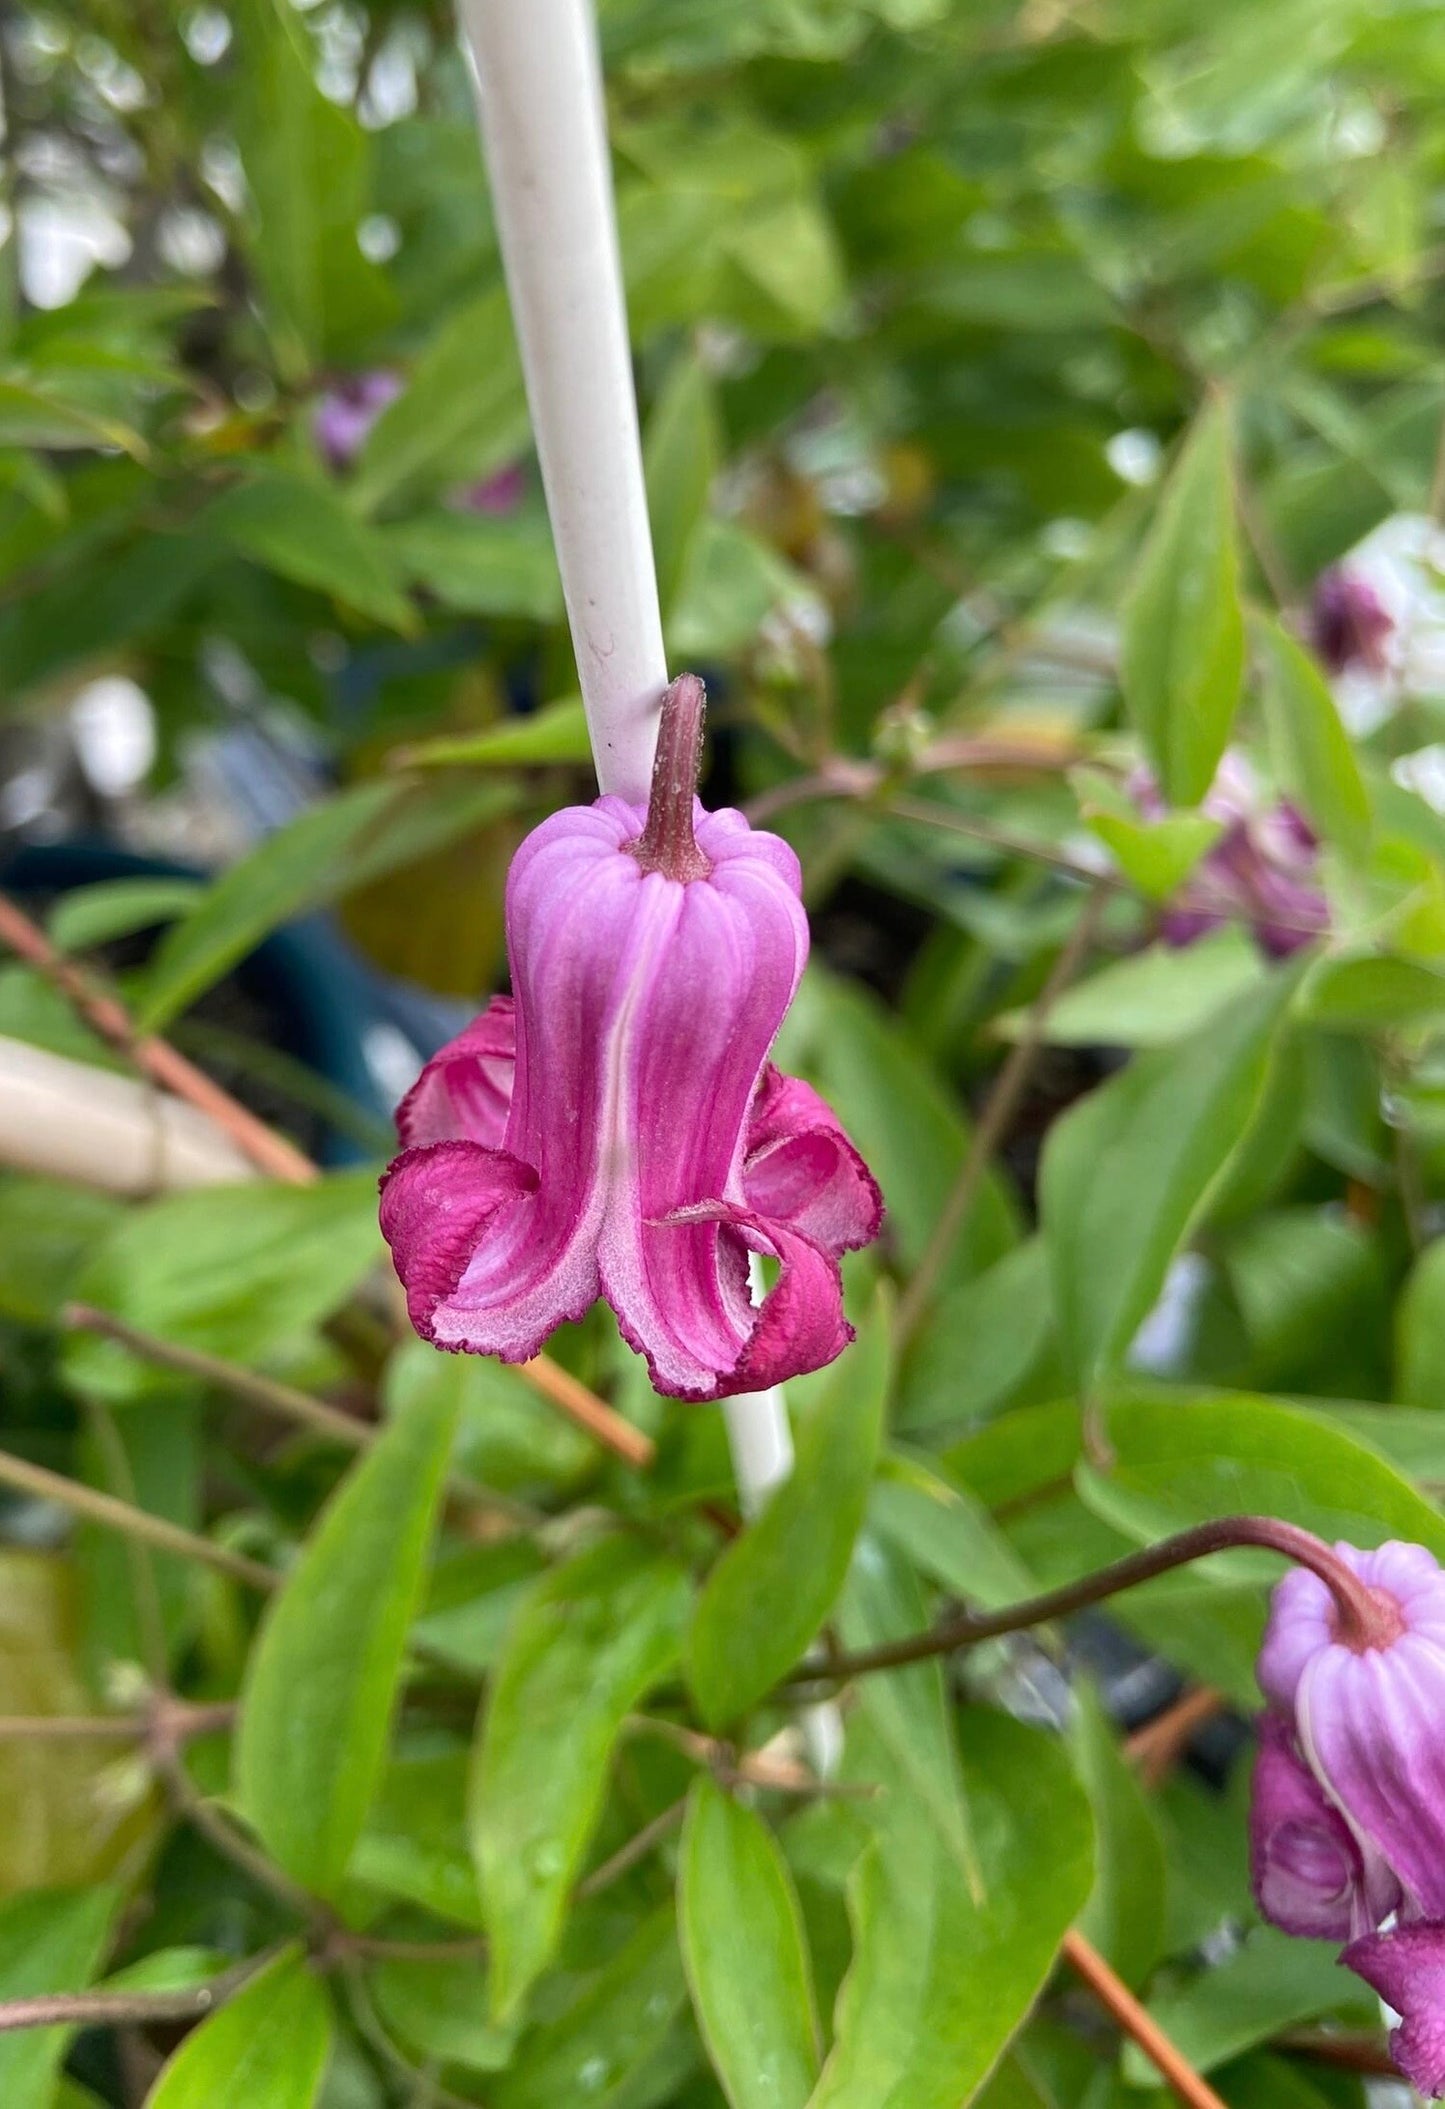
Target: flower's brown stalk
1362,1623
667,843
1110,1990
272,1154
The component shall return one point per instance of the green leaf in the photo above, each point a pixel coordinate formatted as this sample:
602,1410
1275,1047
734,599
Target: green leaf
356,837
266,2048
1183,648
1128,1170
775,1584
51,1940
682,454
1156,856
94,915
1368,995
1183,1457
907,1712
948,1533
1420,1331
307,185
556,733
322,1678
414,1845
940,1980
304,530
729,584
1125,1915
609,2039
1311,748
1153,998
980,1342
1270,1984
590,1640
438,2008
47,1230
908,1126
241,1272
746,1954
478,565
463,414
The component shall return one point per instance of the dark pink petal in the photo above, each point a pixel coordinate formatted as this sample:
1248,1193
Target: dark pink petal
435,1205
1407,1969
801,1170
1350,626
464,1094
798,1326
1308,1873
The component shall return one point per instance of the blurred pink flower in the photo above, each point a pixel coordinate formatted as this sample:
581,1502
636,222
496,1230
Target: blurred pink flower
346,411
1262,872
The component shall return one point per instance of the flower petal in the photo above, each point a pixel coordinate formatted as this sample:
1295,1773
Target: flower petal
696,1261
801,1169
1307,1871
464,1094
1407,1969
436,1203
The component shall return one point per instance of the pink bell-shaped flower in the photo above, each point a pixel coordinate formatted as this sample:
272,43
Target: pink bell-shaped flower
615,1129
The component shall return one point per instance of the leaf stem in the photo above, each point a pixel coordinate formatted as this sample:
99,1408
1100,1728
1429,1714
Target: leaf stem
129,2009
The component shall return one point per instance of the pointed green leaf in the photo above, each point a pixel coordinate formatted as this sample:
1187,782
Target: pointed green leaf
266,2048
1312,750
682,459
304,530
588,1642
775,1584
1183,648
1127,1170
322,1680
746,1955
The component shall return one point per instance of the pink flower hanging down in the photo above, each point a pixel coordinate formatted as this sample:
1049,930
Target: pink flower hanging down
616,1129
1347,1823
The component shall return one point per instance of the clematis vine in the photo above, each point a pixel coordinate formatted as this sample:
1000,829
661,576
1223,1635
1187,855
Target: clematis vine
614,1128
1347,1821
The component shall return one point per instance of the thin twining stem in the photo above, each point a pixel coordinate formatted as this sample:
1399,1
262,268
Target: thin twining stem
269,1396
113,1514
1359,1610
130,2009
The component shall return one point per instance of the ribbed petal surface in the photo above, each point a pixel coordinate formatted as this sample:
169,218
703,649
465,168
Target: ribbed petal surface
1372,1723
626,1086
1407,1969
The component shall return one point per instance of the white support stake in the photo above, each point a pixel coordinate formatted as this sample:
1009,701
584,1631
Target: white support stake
544,133
544,129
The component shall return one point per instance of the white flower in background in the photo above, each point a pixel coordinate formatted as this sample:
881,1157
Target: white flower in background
1378,620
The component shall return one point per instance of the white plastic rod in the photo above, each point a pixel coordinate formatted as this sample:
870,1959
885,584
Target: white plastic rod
544,134
70,1120
544,130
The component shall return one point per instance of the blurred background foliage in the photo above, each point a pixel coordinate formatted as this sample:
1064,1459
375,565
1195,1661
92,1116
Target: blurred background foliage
1043,407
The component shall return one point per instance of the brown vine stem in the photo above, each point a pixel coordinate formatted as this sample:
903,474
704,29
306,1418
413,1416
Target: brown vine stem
252,1389
1360,1613
1110,1990
271,1153
1157,1746
179,1721
112,1514
996,1119
130,2009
